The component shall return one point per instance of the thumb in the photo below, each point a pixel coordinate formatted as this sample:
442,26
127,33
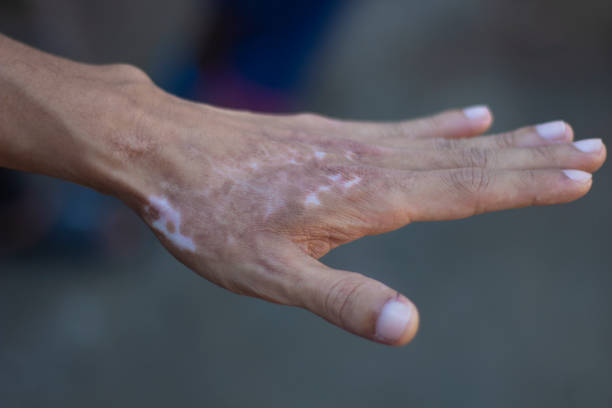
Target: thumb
356,303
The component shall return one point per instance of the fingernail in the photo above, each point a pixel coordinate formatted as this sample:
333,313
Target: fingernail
589,145
552,130
578,175
393,321
477,113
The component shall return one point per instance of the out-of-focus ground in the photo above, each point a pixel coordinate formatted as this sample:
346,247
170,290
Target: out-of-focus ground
515,306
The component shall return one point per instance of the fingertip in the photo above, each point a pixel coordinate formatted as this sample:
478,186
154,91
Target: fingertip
453,124
557,131
601,157
578,175
595,154
412,328
479,117
397,322
581,183
569,131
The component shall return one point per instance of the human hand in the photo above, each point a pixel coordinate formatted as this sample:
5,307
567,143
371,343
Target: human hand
250,202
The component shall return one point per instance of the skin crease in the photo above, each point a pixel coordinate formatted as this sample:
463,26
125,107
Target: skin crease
251,201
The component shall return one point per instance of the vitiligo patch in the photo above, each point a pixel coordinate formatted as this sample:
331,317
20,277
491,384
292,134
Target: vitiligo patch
169,224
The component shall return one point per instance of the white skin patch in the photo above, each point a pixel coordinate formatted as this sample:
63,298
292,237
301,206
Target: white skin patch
274,203
352,182
312,199
169,224
254,180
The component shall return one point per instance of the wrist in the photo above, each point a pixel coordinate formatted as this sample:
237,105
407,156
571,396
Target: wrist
145,139
113,130
106,127
63,119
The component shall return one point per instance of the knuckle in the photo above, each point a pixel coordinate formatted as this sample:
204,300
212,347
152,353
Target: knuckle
506,140
529,178
435,122
341,293
544,153
470,180
442,144
398,129
476,157
527,181
128,73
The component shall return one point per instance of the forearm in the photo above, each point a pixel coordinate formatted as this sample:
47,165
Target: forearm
58,117
31,84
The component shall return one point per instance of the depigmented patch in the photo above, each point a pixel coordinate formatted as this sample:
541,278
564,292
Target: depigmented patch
312,199
351,156
169,223
267,181
350,183
335,177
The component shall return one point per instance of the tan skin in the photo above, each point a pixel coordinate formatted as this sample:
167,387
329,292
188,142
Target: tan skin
251,201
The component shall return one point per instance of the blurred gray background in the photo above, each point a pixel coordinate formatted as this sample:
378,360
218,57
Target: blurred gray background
515,306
